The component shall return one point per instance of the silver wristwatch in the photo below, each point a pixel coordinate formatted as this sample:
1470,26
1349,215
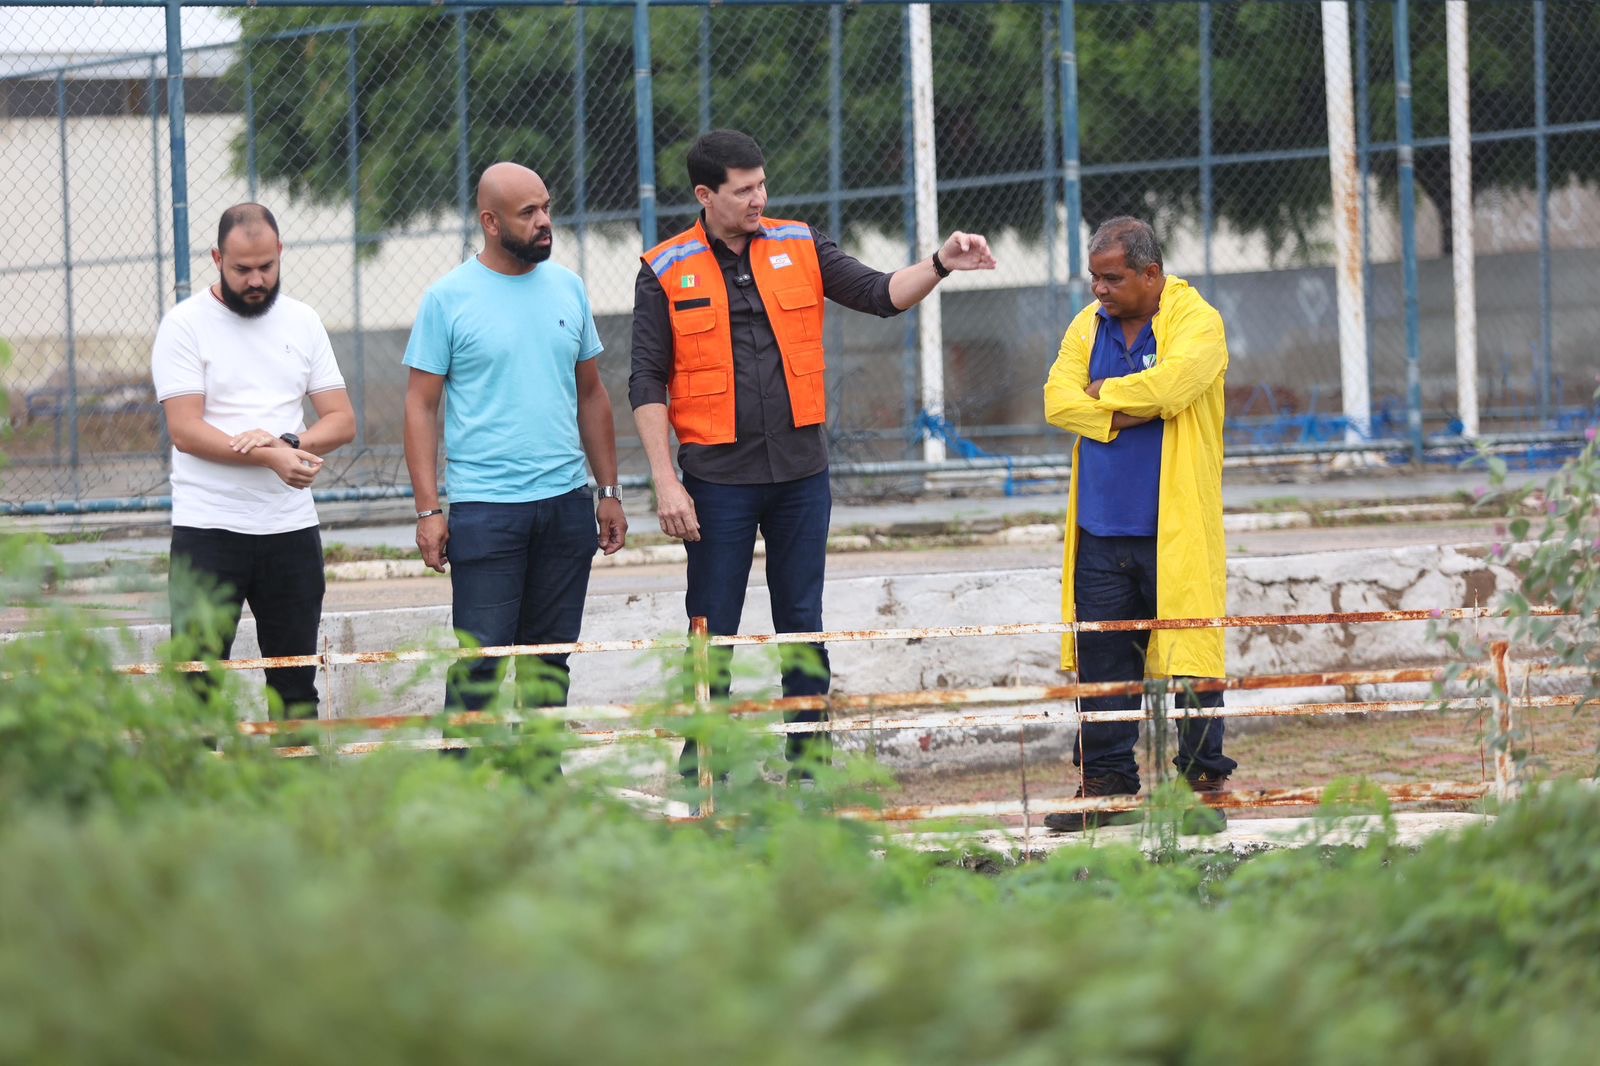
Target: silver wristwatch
608,492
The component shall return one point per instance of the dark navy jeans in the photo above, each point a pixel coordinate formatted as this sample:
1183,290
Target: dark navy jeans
792,517
278,574
519,573
1115,579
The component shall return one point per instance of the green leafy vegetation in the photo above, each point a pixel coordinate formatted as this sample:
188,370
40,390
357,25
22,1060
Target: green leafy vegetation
161,902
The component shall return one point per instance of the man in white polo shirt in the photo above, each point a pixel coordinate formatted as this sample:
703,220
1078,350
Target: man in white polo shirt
233,365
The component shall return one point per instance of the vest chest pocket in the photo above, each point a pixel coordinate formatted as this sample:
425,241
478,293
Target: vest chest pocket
693,336
807,311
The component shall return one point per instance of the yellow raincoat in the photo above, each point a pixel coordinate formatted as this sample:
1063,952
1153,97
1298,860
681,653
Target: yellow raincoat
1184,390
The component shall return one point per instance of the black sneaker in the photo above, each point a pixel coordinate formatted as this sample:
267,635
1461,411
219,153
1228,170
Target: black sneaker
1094,787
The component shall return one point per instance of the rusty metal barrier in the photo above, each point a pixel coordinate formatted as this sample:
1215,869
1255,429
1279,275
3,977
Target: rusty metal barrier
953,708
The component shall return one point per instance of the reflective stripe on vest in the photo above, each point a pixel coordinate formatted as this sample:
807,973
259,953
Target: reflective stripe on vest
783,263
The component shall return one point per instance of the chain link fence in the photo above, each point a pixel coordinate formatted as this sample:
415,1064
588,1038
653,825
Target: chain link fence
365,128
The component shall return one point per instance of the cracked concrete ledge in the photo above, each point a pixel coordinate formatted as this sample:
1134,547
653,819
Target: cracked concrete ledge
1242,838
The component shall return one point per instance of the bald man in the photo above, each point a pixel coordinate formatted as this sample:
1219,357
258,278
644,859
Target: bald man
509,338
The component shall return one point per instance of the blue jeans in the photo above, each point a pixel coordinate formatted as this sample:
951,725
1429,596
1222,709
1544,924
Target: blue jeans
792,517
1115,579
518,575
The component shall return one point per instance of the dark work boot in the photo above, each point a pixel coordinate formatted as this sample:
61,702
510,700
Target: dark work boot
1093,787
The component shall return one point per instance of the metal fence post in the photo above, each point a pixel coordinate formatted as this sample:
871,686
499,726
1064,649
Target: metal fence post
1408,222
705,69
1461,223
66,266
930,319
1047,122
1541,143
463,135
1354,385
835,326
580,134
155,189
644,118
176,120
250,168
910,359
1070,164
1364,168
353,164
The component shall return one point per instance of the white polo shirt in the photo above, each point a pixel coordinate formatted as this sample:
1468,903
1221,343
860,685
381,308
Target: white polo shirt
254,373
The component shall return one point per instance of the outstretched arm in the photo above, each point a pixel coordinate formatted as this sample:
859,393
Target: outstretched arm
908,286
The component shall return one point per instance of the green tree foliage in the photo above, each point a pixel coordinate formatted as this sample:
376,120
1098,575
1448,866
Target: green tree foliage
1138,91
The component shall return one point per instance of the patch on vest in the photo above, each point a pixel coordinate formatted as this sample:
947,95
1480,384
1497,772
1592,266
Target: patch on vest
686,282
780,261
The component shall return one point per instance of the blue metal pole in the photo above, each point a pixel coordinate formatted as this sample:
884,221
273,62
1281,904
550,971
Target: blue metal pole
1070,163
353,165
1364,164
1047,115
155,187
835,122
1408,222
176,120
644,119
835,328
1207,186
66,266
250,121
580,134
705,69
1541,118
910,361
464,135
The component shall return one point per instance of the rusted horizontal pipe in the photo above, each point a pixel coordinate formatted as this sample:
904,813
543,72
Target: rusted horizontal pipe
934,720
947,698
834,636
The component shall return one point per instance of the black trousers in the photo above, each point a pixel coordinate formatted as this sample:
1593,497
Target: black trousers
215,571
1115,579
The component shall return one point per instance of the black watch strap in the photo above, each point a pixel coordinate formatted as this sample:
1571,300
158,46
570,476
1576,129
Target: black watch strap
938,266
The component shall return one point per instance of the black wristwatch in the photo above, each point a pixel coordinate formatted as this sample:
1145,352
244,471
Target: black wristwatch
938,266
291,439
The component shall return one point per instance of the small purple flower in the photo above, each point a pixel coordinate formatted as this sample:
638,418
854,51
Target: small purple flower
1480,491
1498,550
1550,508
1589,434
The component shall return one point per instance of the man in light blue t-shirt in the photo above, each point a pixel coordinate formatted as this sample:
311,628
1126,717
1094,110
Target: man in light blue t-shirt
510,340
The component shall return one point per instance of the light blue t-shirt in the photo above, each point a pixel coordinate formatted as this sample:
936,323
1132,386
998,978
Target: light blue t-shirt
508,349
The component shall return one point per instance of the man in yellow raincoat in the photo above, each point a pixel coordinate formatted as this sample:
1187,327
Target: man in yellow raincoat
1139,378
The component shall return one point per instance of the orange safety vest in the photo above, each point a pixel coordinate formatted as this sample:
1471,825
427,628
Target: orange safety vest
783,262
